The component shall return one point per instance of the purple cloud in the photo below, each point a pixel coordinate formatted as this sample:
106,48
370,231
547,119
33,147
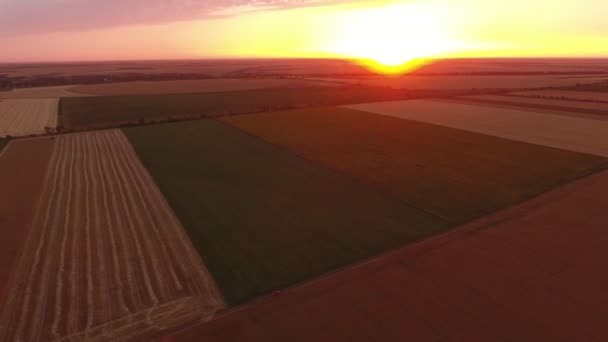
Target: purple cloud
34,16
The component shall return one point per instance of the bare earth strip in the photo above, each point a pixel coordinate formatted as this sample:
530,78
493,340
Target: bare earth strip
25,117
106,258
39,93
190,86
570,133
534,272
570,95
22,168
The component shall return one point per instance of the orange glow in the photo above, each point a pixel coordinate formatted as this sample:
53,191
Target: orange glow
392,69
395,38
389,36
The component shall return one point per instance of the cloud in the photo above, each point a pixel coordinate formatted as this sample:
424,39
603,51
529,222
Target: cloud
19,17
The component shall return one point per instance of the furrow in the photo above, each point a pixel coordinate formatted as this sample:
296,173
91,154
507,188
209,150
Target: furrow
64,240
166,258
102,169
128,200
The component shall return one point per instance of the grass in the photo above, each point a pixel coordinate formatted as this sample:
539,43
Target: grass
100,111
454,174
263,218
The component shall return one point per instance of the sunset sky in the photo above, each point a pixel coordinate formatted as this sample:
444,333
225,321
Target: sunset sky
388,31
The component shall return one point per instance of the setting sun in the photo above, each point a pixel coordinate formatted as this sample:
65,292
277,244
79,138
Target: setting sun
393,37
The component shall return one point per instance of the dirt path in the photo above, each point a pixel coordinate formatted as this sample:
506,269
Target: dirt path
106,257
22,168
533,272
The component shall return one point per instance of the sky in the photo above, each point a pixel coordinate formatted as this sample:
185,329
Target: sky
388,31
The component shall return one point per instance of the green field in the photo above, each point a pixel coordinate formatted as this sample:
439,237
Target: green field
454,174
105,111
263,218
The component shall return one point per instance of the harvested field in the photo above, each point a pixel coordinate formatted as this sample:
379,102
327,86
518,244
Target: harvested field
39,93
105,258
552,104
190,86
110,111
567,95
25,117
263,218
529,273
22,169
565,132
453,174
460,82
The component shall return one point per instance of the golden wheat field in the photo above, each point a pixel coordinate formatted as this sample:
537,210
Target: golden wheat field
27,116
39,92
520,100
565,132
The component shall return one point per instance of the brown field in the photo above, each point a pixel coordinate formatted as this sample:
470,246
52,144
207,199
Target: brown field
105,259
529,273
25,117
540,103
39,93
190,86
453,174
22,168
565,132
461,82
562,94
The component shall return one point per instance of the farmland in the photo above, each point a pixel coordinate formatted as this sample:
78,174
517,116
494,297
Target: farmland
25,117
108,111
564,95
105,258
454,82
190,86
39,93
263,218
22,168
247,196
536,127
453,174
540,103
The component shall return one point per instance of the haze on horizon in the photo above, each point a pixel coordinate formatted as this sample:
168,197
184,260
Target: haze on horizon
387,31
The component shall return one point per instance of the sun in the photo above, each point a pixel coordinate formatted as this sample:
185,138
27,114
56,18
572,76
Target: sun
393,38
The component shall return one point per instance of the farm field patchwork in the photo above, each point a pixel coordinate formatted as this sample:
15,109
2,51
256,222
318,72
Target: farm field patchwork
451,173
495,279
25,117
261,217
563,94
566,105
105,258
22,169
190,86
108,111
559,131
